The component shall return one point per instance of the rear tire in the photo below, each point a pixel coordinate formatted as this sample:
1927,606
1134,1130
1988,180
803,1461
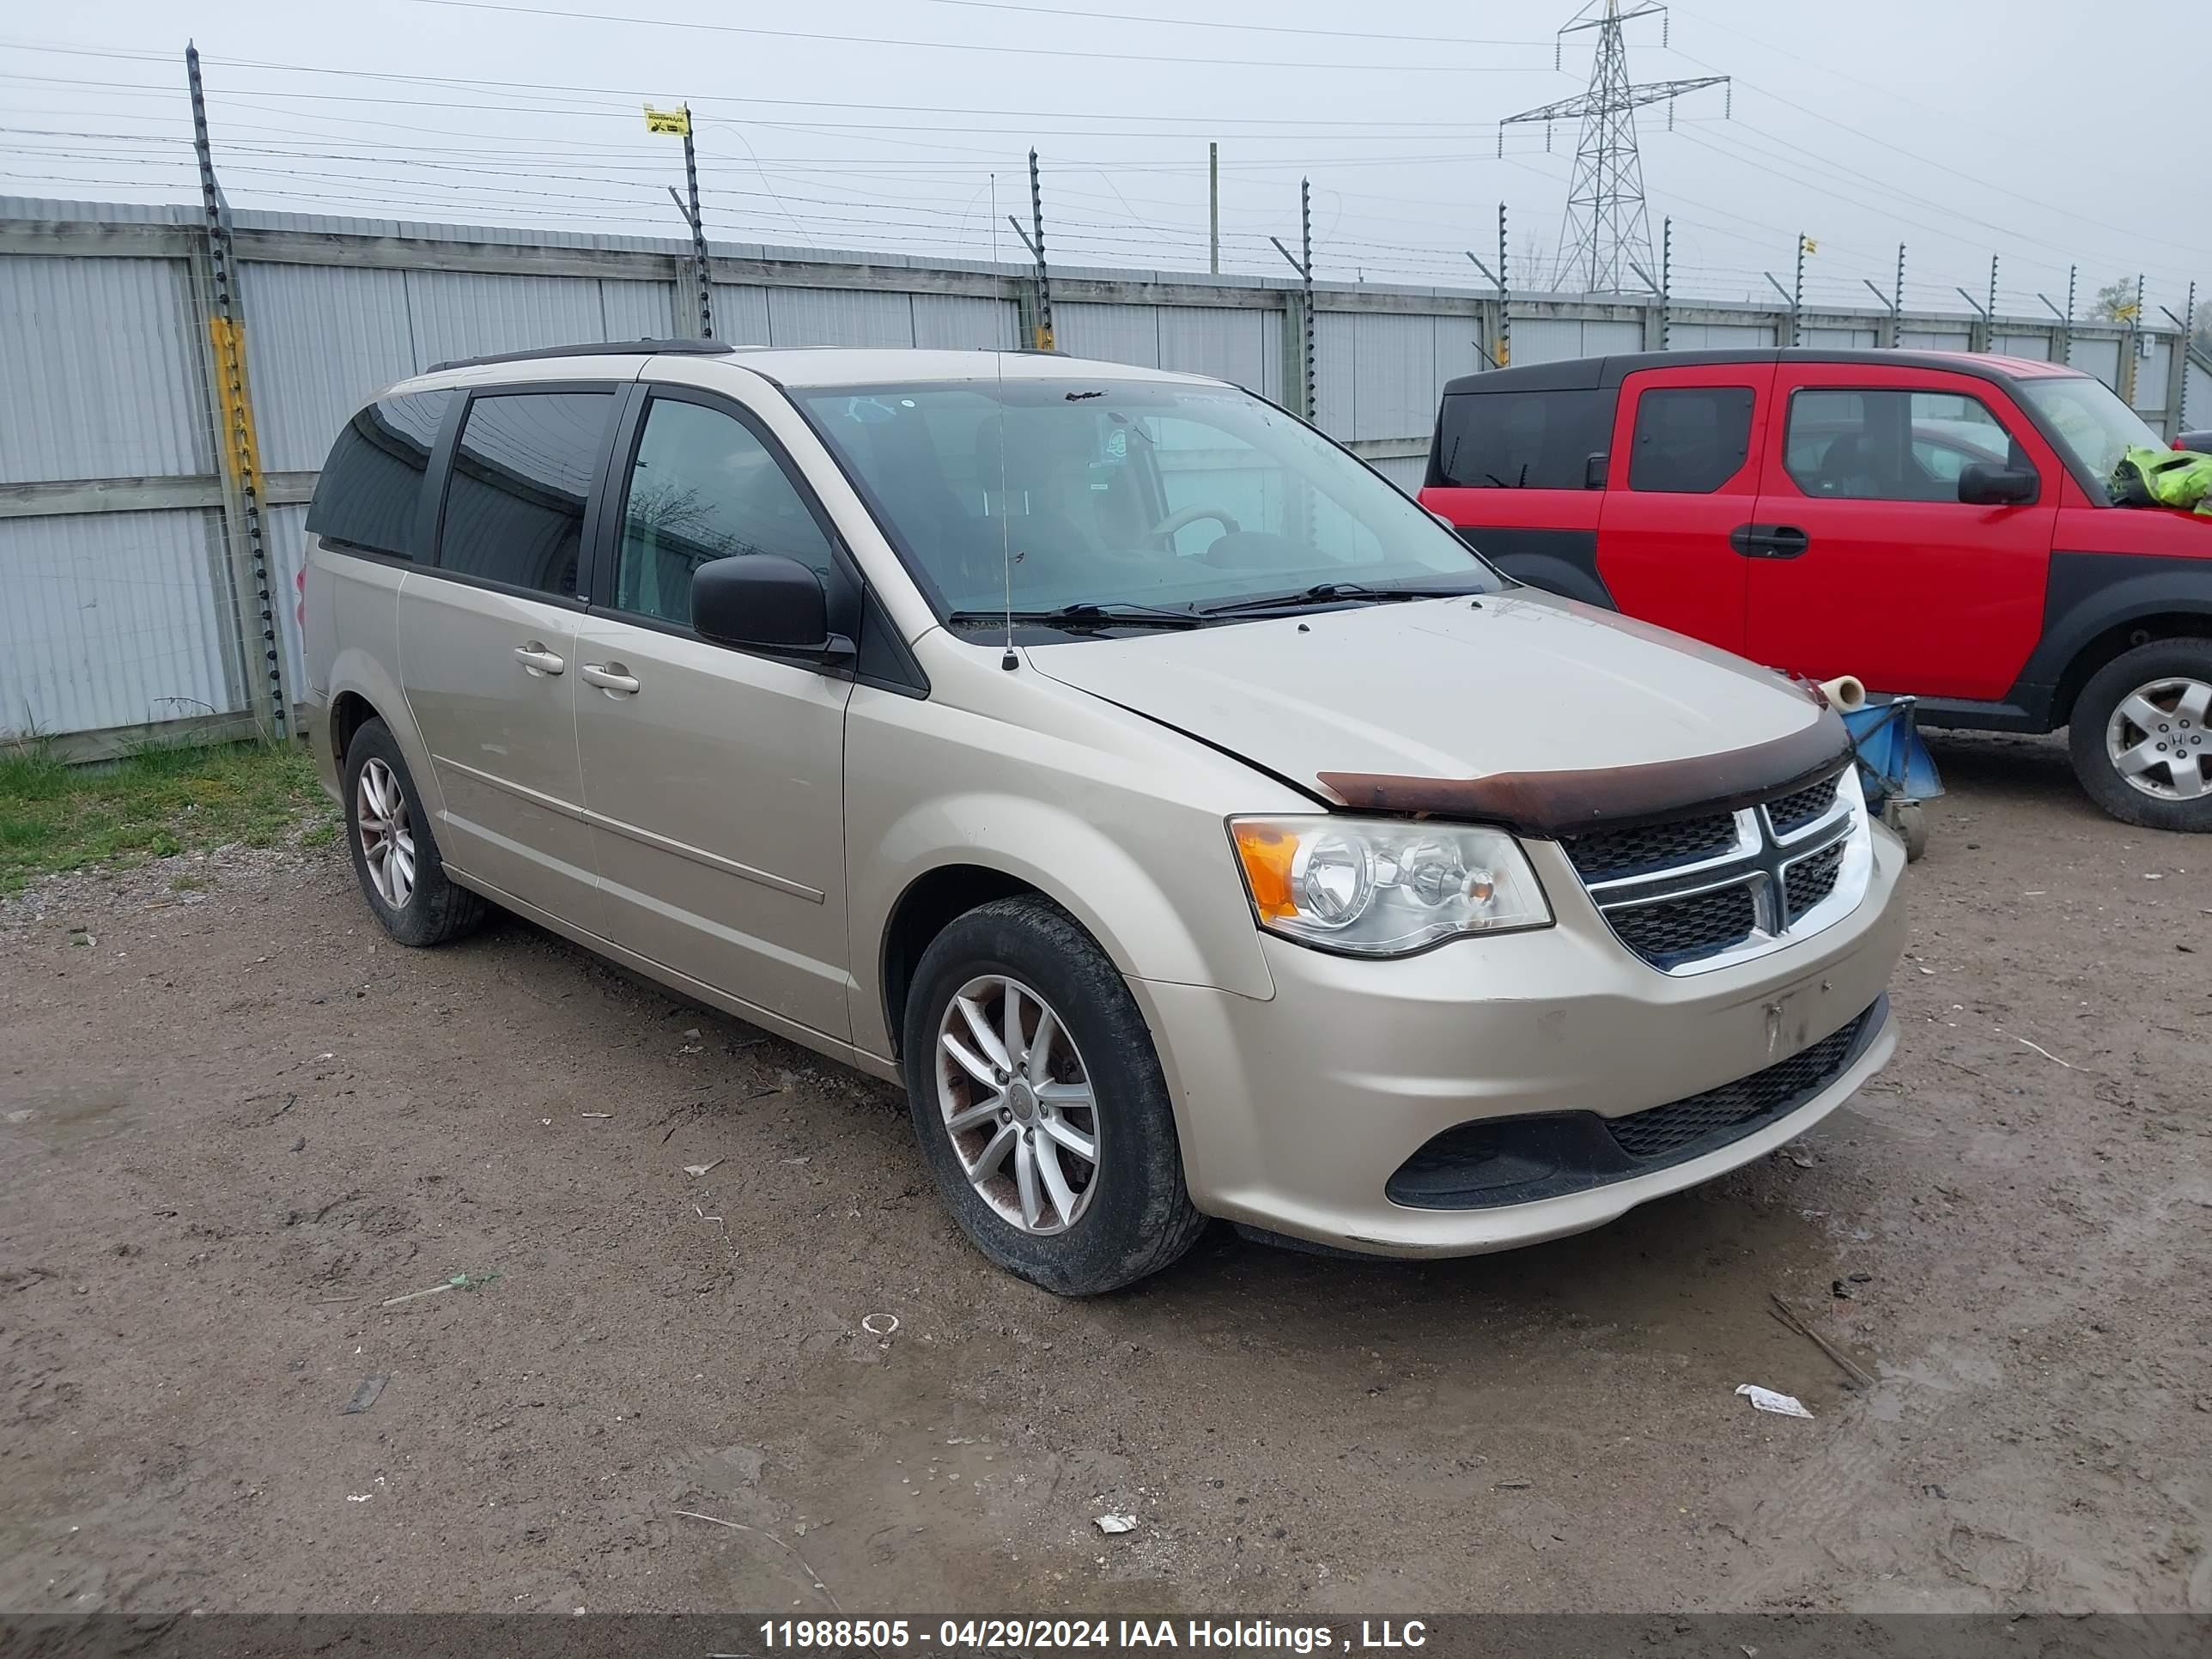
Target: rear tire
395,856
2155,695
1077,1226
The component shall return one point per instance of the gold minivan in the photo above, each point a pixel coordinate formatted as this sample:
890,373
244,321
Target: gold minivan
1192,823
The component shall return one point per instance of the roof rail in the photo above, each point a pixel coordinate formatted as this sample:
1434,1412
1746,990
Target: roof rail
595,349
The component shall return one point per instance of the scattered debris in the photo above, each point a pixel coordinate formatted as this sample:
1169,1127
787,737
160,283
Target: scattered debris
1840,1290
1789,1315
807,1158
457,1282
813,1577
1511,1485
1860,1278
290,1101
1781,1404
1796,1153
595,1115
359,1497
702,1169
2046,1053
880,1324
691,1035
298,1143
1111,1524
364,1396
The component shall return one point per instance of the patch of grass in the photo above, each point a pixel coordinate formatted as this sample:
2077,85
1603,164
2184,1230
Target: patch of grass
157,801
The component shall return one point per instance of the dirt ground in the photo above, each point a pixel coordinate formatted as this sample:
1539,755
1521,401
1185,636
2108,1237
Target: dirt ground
233,1121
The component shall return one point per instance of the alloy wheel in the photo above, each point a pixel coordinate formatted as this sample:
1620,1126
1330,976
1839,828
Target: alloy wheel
2155,738
387,835
1018,1106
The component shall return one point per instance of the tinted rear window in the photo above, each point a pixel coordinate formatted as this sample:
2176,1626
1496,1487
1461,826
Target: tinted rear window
522,473
1691,440
370,493
1521,439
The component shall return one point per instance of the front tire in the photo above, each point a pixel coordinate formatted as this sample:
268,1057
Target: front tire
395,857
2139,739
1039,1102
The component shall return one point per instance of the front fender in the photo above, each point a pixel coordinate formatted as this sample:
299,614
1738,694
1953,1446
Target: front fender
2092,593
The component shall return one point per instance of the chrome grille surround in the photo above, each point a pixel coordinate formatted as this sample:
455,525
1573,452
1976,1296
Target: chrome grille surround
1659,915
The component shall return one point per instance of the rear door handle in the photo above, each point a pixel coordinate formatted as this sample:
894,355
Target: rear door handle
1768,541
609,677
537,660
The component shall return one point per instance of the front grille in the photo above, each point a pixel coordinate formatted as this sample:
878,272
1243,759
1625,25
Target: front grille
1813,878
1613,854
1793,812
1497,1161
1680,930
1733,1109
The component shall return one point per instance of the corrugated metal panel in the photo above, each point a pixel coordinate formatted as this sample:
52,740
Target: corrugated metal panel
1271,346
2099,357
285,535
469,313
1935,339
1115,334
1217,340
2198,408
1603,338
321,342
112,619
1456,355
1395,379
1408,473
834,316
959,321
1336,371
1550,339
1842,339
100,371
2154,374
1719,337
2036,347
740,314
641,311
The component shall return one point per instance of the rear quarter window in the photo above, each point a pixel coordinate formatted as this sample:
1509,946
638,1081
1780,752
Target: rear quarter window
1521,439
1690,441
369,497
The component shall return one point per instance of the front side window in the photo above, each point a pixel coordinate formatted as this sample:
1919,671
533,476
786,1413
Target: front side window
1690,441
1892,445
369,497
703,487
514,509
2094,426
1521,439
1063,492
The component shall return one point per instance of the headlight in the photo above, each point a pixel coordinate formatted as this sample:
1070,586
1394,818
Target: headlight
1381,888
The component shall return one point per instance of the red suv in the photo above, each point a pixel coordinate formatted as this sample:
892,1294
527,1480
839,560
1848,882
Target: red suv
1933,523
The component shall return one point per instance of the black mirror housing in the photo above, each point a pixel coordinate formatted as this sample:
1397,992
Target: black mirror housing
764,602
1985,483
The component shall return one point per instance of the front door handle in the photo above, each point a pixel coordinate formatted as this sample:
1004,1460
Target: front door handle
610,678
1768,541
537,660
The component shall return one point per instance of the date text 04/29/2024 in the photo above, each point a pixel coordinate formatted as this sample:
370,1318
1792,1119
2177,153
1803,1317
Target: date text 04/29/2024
894,1634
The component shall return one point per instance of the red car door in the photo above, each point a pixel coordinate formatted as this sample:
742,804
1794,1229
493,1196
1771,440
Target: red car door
1864,561
1682,476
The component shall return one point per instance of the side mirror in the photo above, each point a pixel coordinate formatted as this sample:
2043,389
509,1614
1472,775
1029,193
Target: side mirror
764,602
1985,483
1594,471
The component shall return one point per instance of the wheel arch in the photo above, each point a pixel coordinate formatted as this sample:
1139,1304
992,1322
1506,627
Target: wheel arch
2117,637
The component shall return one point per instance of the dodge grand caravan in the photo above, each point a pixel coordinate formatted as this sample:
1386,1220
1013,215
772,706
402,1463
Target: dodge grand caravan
1191,825
1933,523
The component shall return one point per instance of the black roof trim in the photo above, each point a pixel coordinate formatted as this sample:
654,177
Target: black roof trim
595,349
1593,374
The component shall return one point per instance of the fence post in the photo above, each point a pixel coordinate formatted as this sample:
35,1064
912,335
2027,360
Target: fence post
261,609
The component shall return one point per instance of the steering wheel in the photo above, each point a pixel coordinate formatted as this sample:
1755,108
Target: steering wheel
1189,515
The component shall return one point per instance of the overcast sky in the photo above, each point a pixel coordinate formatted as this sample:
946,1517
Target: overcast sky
2044,131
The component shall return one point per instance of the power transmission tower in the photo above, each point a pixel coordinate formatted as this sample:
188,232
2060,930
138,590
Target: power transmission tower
1607,230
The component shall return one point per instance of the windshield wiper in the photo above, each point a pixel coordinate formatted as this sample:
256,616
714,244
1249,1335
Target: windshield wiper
1334,594
1086,615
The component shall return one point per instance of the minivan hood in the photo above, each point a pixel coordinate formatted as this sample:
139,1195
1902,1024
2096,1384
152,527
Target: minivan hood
1516,682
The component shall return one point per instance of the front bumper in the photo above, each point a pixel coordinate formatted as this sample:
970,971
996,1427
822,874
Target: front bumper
1296,1111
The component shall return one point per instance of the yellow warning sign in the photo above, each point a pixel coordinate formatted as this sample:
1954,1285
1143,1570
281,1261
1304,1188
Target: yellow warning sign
1811,246
667,120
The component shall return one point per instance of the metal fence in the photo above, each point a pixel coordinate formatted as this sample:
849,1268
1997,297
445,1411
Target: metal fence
124,604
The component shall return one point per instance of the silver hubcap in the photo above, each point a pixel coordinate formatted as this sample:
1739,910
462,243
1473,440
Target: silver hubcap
1017,1103
387,838
2156,738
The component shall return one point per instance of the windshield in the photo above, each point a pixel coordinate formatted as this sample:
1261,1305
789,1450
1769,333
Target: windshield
1126,493
2093,426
